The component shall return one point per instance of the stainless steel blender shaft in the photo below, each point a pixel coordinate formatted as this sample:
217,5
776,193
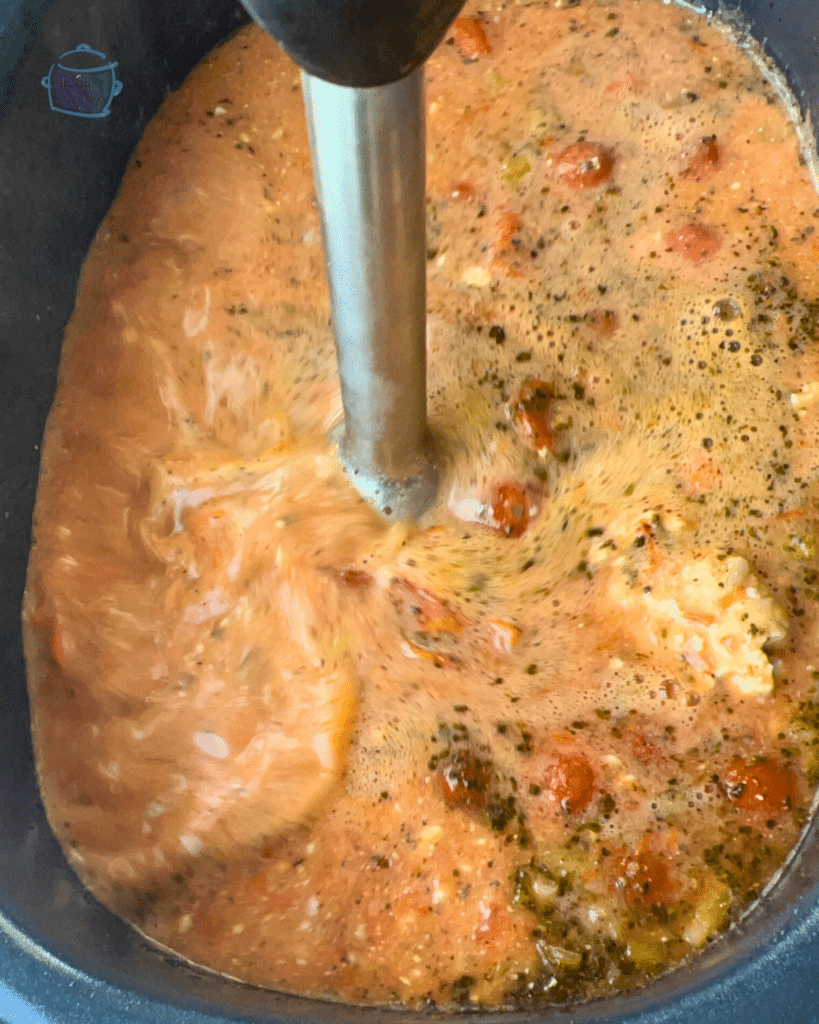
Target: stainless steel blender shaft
368,148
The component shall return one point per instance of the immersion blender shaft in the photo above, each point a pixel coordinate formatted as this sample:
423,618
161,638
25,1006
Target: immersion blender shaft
368,149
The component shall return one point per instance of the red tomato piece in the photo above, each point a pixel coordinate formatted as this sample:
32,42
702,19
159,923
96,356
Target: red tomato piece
462,191
464,779
767,786
470,38
644,878
644,749
533,413
584,165
571,782
704,160
696,242
508,225
511,512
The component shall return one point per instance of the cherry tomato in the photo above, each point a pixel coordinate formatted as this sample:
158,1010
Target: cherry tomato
571,782
644,749
584,165
464,779
511,512
767,786
462,191
696,242
533,413
704,160
507,226
470,38
644,879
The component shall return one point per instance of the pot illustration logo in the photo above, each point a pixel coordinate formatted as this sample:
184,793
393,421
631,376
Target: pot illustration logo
82,83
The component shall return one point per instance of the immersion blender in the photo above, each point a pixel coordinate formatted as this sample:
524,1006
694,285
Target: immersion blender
363,82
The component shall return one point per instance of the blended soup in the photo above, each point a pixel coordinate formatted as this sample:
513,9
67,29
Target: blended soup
555,737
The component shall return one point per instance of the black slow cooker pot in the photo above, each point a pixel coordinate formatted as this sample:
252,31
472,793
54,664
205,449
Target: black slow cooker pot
62,956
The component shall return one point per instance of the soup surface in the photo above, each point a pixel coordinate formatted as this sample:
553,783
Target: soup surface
553,738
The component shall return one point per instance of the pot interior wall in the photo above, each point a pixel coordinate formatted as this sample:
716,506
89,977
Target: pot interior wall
58,175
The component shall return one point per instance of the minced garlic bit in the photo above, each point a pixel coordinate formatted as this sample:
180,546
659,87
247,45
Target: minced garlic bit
707,609
710,612
477,277
805,397
505,635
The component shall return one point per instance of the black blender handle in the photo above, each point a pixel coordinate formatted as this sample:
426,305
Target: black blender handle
358,43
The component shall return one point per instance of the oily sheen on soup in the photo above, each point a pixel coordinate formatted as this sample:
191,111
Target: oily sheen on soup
555,737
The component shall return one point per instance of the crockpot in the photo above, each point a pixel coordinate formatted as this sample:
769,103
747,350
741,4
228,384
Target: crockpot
63,957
